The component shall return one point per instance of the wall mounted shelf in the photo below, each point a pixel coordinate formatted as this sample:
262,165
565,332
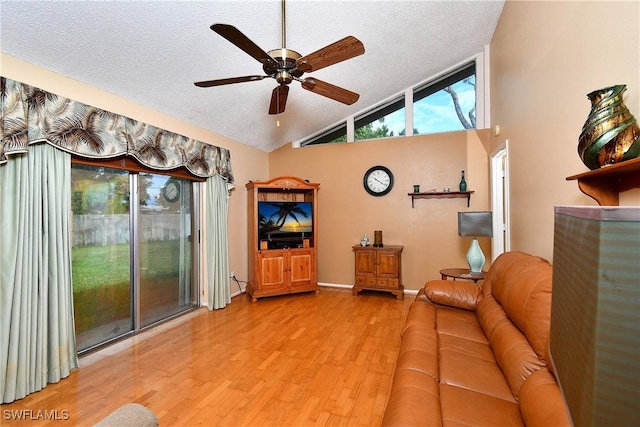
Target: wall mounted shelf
441,195
604,184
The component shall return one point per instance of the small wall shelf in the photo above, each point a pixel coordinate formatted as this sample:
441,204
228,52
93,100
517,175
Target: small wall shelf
441,195
604,184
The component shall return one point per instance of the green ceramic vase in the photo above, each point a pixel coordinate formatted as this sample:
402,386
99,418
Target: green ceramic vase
610,134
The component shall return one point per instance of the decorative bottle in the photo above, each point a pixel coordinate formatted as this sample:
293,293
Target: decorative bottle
463,183
364,241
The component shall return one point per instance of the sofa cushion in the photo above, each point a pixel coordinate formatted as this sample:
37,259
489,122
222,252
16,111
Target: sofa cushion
453,343
524,292
541,401
459,323
420,317
512,351
465,369
414,400
497,269
462,407
460,294
419,351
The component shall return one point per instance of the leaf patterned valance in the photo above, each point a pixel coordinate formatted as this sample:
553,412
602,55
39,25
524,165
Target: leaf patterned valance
30,115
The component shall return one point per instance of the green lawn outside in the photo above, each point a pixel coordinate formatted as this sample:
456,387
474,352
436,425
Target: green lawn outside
100,266
101,279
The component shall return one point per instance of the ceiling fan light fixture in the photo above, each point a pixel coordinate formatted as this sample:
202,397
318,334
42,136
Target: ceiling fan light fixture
285,65
283,76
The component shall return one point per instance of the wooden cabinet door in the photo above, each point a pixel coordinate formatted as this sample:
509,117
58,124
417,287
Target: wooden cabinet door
387,265
301,267
365,263
272,269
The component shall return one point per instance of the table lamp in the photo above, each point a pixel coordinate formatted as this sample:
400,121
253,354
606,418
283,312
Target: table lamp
475,224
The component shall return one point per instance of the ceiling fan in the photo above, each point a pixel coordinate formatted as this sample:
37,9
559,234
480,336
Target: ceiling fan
285,65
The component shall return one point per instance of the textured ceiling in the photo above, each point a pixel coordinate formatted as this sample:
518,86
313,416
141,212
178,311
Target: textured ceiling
151,52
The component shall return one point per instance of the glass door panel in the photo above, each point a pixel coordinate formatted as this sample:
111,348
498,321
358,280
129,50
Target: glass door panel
165,250
100,255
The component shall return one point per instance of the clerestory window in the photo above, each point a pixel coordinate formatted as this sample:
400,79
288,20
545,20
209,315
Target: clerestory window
386,120
446,103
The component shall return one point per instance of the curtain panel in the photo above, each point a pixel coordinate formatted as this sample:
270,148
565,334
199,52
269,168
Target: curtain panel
37,340
30,115
216,242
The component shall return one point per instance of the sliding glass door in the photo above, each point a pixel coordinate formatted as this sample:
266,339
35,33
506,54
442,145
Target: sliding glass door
166,285
132,263
100,255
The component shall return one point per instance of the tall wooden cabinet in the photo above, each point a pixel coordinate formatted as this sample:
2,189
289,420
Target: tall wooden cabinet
378,269
283,223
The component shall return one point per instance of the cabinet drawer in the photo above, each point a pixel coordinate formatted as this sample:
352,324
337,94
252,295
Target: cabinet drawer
381,282
376,282
392,283
366,281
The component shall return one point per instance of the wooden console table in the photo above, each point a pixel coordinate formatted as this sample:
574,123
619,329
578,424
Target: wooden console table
604,184
441,195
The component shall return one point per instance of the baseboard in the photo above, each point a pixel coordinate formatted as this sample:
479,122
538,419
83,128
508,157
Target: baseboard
341,286
327,285
335,285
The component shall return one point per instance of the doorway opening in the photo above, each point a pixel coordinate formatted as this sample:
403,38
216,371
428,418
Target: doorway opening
500,200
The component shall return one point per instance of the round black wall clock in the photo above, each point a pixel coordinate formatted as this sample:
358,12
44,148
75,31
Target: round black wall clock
378,181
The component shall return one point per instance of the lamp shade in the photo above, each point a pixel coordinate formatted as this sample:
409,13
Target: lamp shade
475,224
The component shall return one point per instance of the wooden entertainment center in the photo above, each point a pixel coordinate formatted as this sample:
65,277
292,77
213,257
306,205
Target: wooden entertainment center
282,246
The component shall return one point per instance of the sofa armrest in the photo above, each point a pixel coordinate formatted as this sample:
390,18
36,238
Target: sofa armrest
453,293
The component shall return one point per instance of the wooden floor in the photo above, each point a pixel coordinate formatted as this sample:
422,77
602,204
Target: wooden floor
299,360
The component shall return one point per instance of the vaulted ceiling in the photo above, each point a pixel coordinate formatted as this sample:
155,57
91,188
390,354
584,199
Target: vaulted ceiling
151,52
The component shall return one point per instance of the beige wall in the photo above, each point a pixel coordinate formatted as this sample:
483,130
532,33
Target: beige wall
545,58
248,163
428,232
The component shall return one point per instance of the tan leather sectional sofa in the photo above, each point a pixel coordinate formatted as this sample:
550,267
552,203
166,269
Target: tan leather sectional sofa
477,354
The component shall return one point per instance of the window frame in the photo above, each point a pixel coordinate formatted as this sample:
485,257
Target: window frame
328,136
380,111
476,62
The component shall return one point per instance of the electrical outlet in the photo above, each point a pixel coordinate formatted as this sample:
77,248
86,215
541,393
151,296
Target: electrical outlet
233,275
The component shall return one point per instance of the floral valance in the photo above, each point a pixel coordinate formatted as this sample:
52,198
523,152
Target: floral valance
30,115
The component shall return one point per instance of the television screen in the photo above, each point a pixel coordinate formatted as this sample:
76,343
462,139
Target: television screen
285,224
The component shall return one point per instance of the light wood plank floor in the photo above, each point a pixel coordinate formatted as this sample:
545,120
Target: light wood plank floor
299,360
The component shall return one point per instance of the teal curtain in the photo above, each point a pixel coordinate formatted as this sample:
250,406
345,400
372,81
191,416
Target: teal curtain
216,243
37,342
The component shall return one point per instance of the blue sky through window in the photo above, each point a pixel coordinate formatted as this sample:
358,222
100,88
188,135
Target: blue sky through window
434,113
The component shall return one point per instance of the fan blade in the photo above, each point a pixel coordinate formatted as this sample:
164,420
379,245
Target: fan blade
220,82
339,51
330,91
234,35
278,99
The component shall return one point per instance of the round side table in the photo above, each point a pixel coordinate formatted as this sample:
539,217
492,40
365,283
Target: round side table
461,273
